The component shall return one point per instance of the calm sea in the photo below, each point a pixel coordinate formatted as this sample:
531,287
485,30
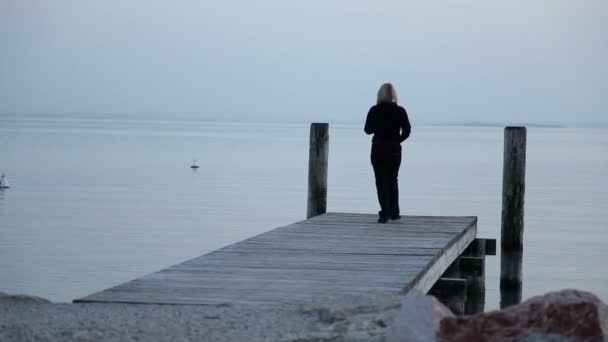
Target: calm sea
97,202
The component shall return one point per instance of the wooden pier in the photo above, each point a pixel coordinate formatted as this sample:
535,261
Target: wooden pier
335,254
331,254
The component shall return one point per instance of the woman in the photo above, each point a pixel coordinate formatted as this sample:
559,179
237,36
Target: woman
390,125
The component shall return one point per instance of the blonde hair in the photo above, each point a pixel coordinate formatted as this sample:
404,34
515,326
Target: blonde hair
387,94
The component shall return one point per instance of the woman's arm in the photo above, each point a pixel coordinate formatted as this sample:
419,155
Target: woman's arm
369,123
406,128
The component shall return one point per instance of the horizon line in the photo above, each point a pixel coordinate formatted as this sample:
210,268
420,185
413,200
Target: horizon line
464,123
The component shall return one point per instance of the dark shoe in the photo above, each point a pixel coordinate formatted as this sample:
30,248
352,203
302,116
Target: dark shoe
382,219
395,217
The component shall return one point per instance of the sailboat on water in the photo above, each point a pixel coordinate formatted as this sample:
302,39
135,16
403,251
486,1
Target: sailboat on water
4,183
194,164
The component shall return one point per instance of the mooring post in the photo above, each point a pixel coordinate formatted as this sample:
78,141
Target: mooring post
513,191
511,287
317,169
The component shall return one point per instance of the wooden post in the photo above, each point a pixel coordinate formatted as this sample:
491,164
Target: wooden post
512,230
317,169
513,189
472,269
511,286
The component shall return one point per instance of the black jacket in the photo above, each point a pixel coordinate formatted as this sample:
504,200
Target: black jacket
388,122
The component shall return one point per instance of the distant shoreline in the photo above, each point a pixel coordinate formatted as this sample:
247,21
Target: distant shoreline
99,116
491,124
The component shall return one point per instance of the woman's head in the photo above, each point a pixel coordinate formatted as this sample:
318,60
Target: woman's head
387,94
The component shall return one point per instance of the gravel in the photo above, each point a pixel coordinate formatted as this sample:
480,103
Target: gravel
348,318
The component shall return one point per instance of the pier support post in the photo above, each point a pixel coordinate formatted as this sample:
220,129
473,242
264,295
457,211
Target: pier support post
472,269
513,191
317,169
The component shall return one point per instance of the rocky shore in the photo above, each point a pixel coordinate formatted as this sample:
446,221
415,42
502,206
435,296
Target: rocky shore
568,315
25,318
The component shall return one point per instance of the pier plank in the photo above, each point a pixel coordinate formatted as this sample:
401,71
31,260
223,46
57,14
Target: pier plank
333,254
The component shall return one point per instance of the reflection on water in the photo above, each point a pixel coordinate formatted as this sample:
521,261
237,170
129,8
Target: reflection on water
2,200
510,278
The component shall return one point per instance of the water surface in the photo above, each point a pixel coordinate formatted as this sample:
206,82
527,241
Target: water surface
97,202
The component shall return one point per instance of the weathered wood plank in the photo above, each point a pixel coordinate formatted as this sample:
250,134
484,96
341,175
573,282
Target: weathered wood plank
332,254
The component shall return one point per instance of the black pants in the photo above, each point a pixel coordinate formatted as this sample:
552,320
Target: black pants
386,159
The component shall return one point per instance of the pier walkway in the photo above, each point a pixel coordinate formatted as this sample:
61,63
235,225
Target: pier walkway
327,255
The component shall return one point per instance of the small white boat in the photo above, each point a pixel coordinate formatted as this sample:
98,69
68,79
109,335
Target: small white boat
4,183
194,165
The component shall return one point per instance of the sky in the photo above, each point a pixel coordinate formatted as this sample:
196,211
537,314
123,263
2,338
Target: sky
517,61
